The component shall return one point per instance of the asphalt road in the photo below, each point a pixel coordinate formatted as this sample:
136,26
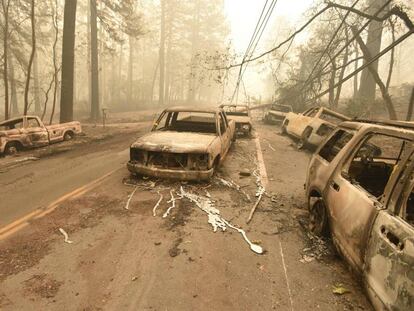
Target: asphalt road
137,259
30,185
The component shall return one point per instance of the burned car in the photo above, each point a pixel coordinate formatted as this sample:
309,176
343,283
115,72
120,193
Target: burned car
185,144
241,115
277,114
30,132
360,190
312,126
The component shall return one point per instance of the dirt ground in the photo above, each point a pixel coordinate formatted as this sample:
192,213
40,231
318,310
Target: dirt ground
129,259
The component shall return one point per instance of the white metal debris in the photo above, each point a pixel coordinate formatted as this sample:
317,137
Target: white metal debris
154,210
66,236
172,201
130,197
214,218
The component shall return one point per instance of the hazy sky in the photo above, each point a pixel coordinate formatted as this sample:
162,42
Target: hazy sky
244,14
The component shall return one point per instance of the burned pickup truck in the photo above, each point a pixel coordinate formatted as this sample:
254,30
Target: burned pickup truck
313,125
360,189
277,114
241,115
185,144
30,132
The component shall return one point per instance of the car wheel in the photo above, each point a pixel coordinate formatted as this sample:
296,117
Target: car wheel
283,129
67,136
304,139
318,218
11,149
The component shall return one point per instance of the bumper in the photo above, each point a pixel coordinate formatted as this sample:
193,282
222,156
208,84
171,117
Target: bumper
136,168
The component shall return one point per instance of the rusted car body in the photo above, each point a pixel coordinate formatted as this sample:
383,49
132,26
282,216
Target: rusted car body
277,113
30,132
360,189
185,144
312,126
241,115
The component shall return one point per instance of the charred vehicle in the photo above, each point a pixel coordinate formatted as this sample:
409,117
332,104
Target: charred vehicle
185,144
241,115
312,126
30,132
360,189
277,113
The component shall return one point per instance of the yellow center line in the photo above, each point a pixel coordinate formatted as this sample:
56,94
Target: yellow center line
24,221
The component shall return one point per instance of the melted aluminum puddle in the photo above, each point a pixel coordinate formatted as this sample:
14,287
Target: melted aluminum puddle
214,218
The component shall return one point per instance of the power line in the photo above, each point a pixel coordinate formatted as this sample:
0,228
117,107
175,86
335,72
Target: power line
259,30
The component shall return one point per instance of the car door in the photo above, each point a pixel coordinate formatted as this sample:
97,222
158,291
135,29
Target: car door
37,134
325,160
224,134
355,193
389,268
299,122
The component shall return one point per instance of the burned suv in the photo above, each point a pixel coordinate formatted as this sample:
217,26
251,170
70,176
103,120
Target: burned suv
360,189
184,143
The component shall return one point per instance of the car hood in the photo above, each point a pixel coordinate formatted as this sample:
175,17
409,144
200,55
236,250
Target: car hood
177,142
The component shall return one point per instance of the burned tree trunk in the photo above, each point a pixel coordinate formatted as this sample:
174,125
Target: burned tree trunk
162,56
342,72
94,62
332,84
5,4
374,73
130,71
68,60
13,98
367,83
36,83
32,55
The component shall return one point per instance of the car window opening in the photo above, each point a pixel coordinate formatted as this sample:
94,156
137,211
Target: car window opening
375,161
408,209
195,122
335,144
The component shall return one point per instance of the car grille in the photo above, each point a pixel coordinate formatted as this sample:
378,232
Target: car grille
167,160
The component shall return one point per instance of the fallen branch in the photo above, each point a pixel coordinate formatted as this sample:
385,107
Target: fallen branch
66,236
259,194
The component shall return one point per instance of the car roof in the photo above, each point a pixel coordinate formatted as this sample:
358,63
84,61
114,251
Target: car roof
192,109
232,105
15,119
396,126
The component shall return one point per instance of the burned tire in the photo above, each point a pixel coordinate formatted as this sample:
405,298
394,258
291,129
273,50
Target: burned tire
68,136
11,148
303,142
283,130
318,218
